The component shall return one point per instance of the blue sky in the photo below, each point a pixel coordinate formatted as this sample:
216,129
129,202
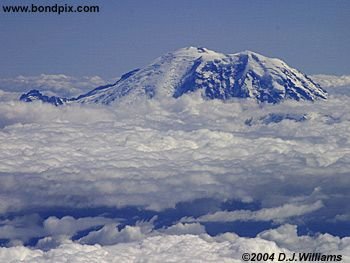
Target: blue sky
312,36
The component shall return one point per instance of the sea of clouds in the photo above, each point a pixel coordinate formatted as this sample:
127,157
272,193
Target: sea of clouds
173,180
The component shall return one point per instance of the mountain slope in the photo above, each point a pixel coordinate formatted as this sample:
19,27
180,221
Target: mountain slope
215,75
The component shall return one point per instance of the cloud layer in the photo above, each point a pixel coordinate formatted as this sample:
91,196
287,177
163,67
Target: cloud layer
180,248
149,158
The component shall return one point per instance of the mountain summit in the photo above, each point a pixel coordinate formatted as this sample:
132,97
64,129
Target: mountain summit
214,75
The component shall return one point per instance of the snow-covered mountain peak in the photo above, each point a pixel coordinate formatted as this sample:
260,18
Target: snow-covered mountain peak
248,53
215,75
197,52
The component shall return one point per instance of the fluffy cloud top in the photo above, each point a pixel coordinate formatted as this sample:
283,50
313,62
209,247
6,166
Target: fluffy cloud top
99,156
